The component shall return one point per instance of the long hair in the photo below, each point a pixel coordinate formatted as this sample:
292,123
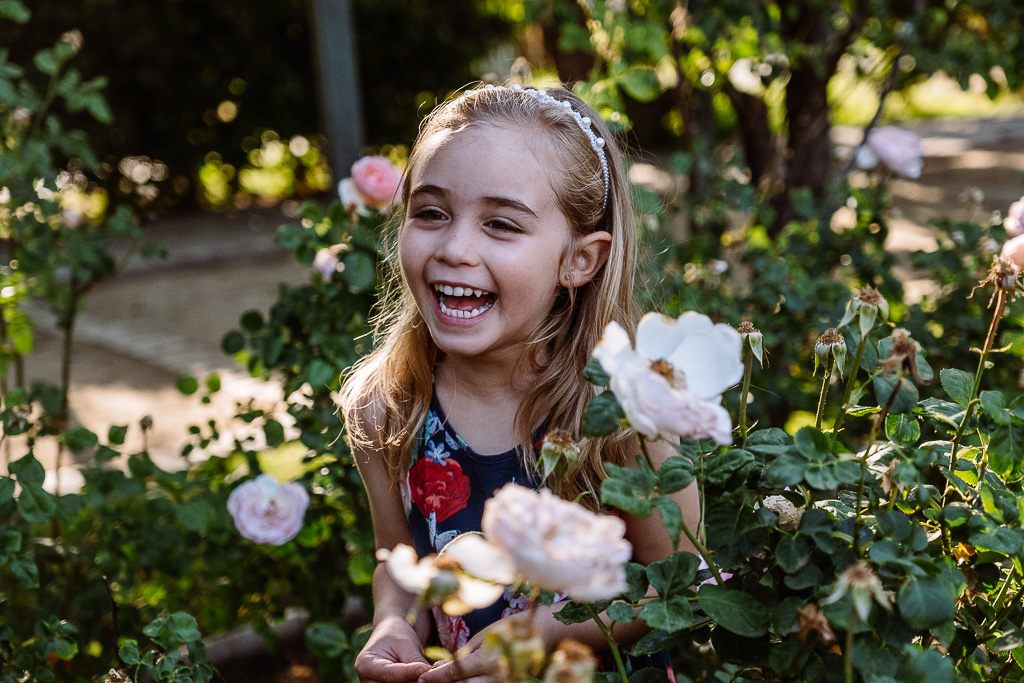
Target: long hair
385,398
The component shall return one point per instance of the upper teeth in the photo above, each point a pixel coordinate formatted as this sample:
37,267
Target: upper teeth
458,291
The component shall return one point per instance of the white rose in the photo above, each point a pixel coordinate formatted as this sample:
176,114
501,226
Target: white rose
557,545
456,592
266,511
672,384
326,262
1014,221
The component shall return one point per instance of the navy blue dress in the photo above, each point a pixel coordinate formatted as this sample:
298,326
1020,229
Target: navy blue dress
444,494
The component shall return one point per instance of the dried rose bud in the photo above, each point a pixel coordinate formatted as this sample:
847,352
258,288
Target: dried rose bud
830,342
21,118
1004,275
74,39
863,585
904,354
752,336
118,676
789,514
813,622
558,453
867,305
520,646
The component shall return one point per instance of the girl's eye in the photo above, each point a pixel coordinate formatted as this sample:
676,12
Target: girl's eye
504,226
429,214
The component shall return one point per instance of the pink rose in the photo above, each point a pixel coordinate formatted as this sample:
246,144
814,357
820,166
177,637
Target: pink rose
266,511
1014,221
377,180
895,147
1014,250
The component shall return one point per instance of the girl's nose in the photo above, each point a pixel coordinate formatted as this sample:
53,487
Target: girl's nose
458,244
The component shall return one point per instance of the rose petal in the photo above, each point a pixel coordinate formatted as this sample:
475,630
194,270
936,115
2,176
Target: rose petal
710,361
658,336
481,559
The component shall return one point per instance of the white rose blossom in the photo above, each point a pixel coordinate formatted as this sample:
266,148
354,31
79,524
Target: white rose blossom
672,384
556,545
436,581
266,511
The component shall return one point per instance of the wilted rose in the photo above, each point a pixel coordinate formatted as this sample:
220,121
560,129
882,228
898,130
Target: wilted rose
895,147
557,545
377,180
572,662
266,511
672,384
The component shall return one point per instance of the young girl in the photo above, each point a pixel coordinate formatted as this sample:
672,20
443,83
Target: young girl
517,247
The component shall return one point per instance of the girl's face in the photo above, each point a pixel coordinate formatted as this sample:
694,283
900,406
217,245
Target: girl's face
483,241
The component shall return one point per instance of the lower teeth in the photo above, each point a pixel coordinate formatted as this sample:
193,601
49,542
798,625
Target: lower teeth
457,313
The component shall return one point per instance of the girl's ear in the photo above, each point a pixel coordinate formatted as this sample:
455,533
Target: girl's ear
586,259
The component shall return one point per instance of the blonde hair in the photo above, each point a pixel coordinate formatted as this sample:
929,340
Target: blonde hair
385,398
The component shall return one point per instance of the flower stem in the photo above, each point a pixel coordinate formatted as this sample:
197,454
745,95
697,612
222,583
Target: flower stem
851,626
824,394
996,317
848,392
612,645
859,519
748,366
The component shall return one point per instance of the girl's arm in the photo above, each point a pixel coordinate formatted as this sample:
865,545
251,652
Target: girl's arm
394,652
650,542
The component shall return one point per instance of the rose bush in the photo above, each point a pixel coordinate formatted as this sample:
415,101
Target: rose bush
375,182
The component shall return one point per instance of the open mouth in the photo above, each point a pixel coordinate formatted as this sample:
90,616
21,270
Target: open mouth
463,302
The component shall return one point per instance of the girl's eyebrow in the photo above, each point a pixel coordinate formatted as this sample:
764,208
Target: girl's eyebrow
503,202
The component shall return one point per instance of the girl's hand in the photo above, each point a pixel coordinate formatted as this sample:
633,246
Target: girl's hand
393,654
472,666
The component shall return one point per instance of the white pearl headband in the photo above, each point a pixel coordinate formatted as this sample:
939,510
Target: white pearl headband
596,142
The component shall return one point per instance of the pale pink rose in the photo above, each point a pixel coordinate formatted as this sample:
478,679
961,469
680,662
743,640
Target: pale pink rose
1014,250
266,511
895,147
326,262
349,195
377,180
558,545
1014,221
672,384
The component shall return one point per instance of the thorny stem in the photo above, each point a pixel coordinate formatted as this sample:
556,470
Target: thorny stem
113,615
701,549
1006,607
848,392
748,366
859,519
612,645
989,340
824,394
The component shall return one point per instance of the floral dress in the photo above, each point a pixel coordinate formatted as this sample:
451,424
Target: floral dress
444,494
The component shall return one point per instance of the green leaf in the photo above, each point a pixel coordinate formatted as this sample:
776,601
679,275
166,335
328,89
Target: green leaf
274,432
573,613
325,640
671,517
360,568
319,374
636,581
1010,640
902,428
187,385
734,611
674,574
719,468
595,374
26,574
129,652
602,415
958,384
183,626
655,641
46,62
15,11
233,342
772,441
641,83
360,272
906,396
811,443
195,515
675,475
65,649
669,614
792,553
629,489
994,404
79,439
925,602
926,666
621,612
116,434
1006,452
251,321
648,675
6,489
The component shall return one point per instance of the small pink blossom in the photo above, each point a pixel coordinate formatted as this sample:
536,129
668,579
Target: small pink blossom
1014,221
326,262
897,148
377,180
266,511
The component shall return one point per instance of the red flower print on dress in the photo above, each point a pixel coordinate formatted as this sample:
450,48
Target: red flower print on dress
452,631
441,489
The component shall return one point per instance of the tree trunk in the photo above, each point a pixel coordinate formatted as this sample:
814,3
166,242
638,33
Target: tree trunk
755,132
